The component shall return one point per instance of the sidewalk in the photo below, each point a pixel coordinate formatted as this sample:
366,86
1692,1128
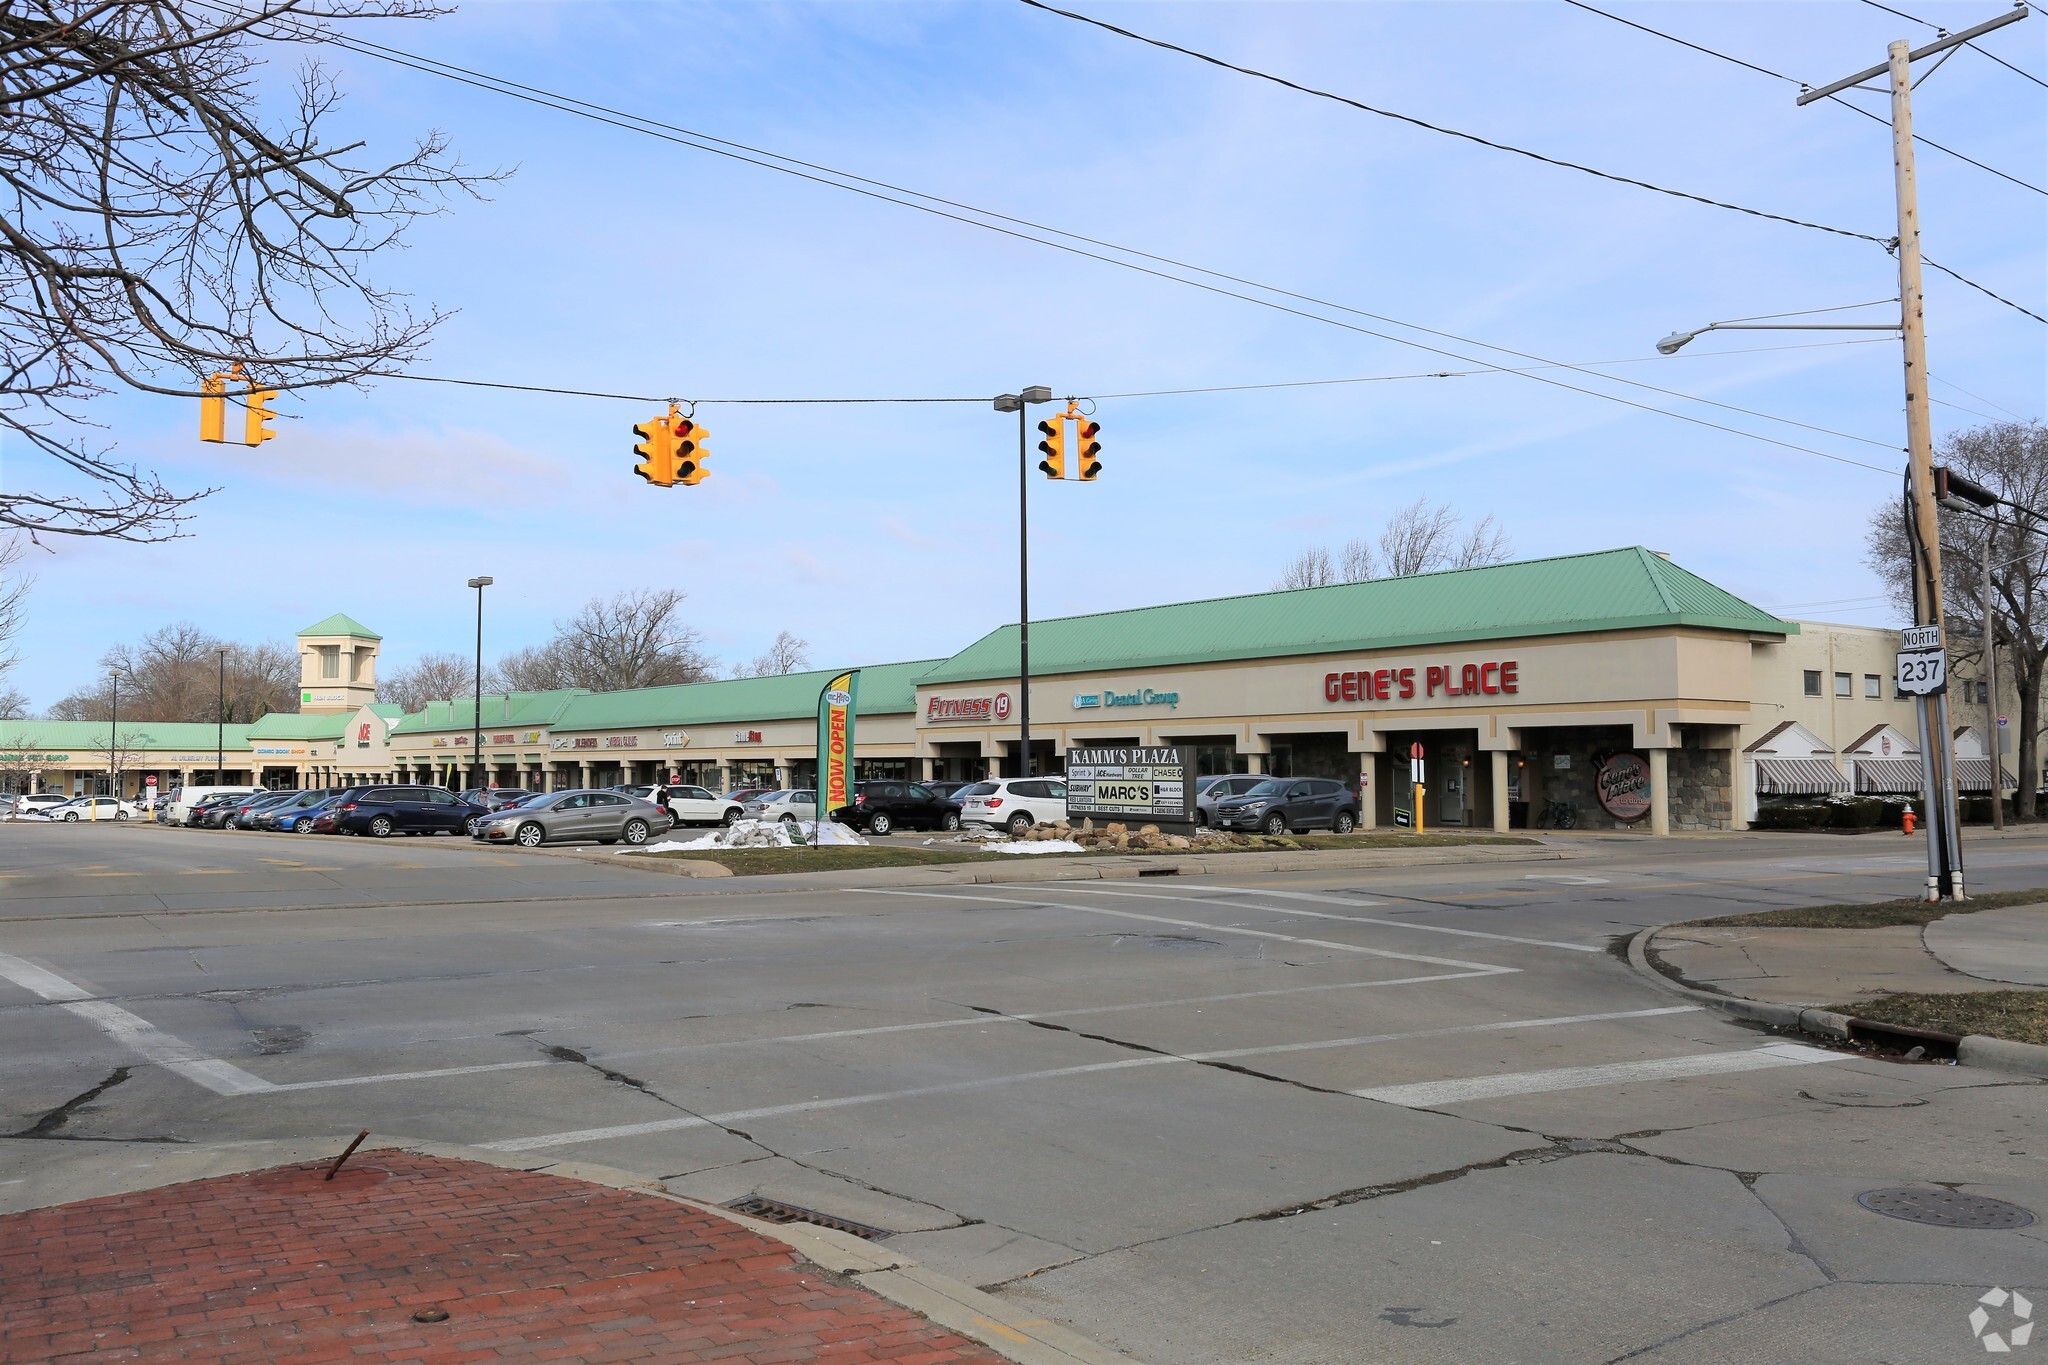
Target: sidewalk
409,1256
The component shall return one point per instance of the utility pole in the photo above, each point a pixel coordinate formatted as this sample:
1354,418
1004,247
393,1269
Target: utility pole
1991,683
1944,849
220,722
1020,403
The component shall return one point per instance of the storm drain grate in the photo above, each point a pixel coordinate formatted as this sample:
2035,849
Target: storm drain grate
775,1211
1945,1208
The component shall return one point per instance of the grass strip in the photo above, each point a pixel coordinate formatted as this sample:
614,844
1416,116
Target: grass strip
760,862
1875,914
2019,1016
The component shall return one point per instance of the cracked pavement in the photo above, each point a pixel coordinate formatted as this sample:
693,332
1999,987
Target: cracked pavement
1407,1114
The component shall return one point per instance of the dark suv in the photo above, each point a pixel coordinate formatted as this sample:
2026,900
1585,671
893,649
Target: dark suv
385,811
880,806
1281,805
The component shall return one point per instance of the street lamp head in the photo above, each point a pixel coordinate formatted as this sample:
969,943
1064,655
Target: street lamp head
1670,345
484,582
1037,393
1008,402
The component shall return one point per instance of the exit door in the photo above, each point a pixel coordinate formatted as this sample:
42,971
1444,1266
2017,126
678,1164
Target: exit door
1452,794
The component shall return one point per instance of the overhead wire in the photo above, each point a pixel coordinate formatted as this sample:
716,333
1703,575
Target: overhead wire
649,398
819,174
1980,51
1888,243
1803,85
1979,397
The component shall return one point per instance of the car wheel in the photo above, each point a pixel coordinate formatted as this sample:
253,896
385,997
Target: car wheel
71,817
880,823
1201,818
1020,824
530,835
302,825
1276,823
380,825
469,825
635,832
731,817
1343,824
950,821
787,819
120,815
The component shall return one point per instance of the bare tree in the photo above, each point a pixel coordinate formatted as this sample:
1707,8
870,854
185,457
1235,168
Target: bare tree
636,639
433,677
14,586
1309,569
121,750
1419,538
787,654
2010,459
158,225
537,668
176,673
19,761
13,705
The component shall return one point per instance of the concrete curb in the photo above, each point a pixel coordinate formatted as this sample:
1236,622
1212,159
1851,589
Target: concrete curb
1996,1054
892,1275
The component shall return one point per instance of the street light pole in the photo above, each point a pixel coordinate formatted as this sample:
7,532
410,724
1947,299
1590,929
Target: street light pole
476,709
1020,403
220,722
113,742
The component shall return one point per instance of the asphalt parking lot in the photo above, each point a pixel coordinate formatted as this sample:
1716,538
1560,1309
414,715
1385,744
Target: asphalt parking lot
1407,1114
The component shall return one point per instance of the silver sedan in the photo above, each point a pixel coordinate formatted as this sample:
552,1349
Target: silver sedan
606,817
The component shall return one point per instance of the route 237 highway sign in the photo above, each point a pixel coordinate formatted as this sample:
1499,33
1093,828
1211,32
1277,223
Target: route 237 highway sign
1923,672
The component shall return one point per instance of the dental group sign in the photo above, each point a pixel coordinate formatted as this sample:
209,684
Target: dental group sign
1141,782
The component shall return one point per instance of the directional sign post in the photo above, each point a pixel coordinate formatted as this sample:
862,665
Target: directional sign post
1415,779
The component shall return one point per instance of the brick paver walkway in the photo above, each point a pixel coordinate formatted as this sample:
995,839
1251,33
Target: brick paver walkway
278,1266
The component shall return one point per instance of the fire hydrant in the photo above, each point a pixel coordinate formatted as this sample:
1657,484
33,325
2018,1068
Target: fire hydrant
1908,820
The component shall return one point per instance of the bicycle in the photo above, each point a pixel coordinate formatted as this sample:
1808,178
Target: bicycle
1561,814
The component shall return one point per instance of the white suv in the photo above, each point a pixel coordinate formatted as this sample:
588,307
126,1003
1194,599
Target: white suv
1015,803
689,805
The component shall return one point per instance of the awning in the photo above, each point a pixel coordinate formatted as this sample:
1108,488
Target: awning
1974,775
1798,777
1888,776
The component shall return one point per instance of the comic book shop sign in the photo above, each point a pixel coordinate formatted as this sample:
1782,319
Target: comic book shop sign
1143,783
1623,786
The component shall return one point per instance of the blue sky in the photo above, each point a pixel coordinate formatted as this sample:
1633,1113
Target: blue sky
611,261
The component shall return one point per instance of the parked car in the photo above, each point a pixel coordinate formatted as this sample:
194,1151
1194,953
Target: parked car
384,811
93,808
185,799
746,794
1015,803
247,815
296,817
325,818
1210,790
212,813
790,806
949,787
493,798
41,803
881,805
607,817
689,805
1281,805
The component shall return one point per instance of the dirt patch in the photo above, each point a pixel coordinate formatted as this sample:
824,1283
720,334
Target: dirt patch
2020,1016
1874,915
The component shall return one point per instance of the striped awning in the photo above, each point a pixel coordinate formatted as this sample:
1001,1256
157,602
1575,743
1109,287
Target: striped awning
1798,777
1888,776
1974,775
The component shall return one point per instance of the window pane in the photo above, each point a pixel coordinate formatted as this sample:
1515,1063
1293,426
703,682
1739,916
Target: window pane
1841,684
1812,682
1873,686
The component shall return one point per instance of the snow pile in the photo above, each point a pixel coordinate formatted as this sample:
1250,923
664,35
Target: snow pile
1034,846
759,834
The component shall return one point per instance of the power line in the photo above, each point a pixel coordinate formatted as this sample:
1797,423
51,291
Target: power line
819,174
649,398
1803,85
1253,72
1978,396
1980,51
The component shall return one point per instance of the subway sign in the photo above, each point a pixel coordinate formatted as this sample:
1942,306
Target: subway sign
1495,677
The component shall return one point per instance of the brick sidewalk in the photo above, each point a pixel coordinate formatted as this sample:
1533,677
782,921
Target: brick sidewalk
280,1266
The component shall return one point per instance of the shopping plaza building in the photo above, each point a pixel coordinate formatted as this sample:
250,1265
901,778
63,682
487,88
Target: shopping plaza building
1613,689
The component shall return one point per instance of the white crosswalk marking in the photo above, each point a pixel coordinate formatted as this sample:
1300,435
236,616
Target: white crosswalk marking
1431,1094
1210,899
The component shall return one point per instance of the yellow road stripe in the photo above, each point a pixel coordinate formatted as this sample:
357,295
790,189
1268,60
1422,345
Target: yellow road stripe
1000,1330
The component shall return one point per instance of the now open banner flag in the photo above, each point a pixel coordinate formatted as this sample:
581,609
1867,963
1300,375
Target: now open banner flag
835,743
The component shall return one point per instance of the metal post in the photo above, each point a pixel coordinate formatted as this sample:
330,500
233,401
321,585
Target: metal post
1924,713
113,745
1952,837
1023,594
476,703
220,722
1991,684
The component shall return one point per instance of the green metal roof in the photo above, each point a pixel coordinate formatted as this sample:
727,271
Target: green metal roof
885,689
82,736
1621,589
515,710
340,624
288,725
389,710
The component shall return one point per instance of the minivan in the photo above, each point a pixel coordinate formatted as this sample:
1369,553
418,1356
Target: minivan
384,811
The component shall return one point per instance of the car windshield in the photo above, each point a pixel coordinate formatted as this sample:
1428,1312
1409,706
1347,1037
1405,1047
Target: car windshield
1273,787
763,798
977,789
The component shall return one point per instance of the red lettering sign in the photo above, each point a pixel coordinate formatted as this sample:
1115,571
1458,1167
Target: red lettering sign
1491,678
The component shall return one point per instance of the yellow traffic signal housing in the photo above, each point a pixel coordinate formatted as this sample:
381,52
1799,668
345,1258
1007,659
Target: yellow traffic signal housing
258,415
1054,446
657,449
213,408
1086,429
690,451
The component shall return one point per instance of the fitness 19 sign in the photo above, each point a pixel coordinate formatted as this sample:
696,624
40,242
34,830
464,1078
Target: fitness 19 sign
1149,783
1623,786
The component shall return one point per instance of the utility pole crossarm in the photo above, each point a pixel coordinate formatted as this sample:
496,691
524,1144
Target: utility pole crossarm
2013,16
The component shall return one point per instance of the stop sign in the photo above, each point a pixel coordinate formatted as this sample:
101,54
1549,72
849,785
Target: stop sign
1415,750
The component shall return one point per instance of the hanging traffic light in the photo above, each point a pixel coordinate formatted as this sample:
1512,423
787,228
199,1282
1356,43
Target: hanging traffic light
258,413
213,409
657,449
1054,446
690,451
1086,429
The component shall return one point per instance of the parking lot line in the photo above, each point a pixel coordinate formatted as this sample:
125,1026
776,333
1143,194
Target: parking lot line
1189,924
1211,898
271,1087
1431,1094
621,1130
